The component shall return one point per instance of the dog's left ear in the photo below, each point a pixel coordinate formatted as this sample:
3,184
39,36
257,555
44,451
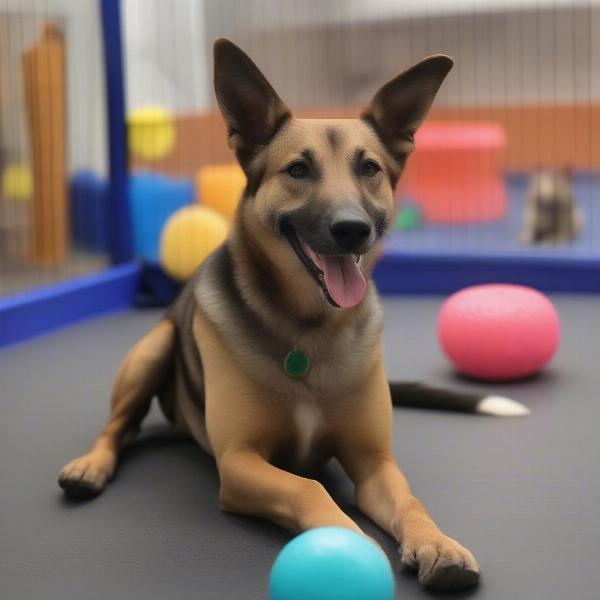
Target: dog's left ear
250,106
401,105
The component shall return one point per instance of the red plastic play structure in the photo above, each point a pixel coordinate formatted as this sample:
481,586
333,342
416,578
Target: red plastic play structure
455,174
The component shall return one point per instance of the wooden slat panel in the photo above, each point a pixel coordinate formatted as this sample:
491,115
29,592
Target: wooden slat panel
44,77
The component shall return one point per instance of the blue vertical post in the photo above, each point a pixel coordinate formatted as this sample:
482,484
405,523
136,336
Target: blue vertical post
120,219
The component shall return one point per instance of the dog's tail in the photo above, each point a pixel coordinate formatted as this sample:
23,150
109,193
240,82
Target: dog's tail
417,395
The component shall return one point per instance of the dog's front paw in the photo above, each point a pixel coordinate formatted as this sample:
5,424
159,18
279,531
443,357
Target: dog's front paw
87,475
441,562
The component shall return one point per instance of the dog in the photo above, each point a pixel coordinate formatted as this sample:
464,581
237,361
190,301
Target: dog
271,358
551,214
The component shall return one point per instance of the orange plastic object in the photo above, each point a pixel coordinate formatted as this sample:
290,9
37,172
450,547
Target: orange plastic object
220,187
455,173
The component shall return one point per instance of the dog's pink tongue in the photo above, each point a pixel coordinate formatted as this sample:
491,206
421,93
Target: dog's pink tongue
344,280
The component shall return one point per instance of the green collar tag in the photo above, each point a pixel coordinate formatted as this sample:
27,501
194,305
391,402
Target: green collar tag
296,363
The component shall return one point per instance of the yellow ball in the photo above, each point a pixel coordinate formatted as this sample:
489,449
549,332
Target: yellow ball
221,187
151,132
188,237
17,182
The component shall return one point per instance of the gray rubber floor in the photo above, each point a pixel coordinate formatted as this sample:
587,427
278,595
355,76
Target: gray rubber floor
523,494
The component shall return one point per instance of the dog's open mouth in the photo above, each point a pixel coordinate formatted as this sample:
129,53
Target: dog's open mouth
340,277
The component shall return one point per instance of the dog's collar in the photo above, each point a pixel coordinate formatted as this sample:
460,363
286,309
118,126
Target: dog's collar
296,363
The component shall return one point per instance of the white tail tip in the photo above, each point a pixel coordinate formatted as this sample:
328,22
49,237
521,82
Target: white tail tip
498,406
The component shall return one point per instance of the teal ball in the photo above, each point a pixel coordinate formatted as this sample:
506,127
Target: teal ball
331,563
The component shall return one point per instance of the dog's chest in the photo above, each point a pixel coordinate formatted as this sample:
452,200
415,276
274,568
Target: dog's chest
308,422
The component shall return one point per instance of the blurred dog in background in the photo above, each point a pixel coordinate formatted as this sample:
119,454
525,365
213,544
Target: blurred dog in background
551,215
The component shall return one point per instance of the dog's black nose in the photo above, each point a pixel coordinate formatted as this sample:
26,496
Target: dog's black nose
350,230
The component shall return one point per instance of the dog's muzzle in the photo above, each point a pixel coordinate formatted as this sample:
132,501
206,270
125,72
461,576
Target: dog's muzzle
338,275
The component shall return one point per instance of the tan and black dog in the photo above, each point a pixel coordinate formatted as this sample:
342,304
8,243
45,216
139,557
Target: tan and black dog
271,356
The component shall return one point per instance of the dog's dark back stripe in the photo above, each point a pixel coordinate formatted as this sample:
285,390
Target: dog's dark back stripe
181,313
232,298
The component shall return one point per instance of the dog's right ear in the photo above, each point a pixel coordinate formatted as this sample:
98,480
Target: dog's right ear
250,106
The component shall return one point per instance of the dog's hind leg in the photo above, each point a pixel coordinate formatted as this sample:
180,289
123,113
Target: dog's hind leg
141,376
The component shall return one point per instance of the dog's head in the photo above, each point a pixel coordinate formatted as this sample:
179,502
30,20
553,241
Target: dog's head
324,188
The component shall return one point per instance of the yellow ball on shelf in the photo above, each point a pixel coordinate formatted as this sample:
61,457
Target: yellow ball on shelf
151,132
221,187
17,182
188,237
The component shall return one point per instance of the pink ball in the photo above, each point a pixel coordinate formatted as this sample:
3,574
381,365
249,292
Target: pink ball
498,331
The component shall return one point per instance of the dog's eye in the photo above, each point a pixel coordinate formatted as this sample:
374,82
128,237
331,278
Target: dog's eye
369,168
298,170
